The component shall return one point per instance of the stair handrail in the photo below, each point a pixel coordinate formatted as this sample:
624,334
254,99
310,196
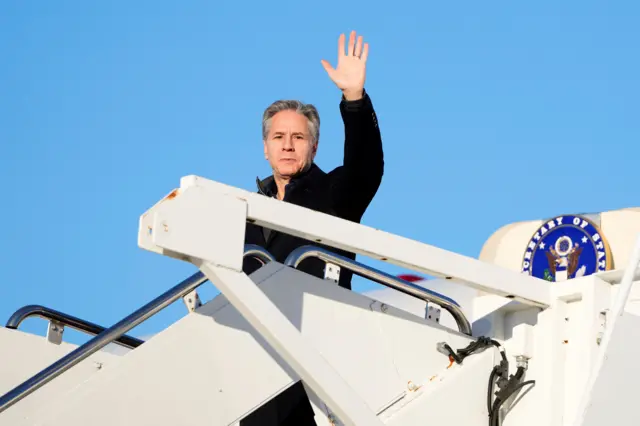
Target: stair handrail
112,333
304,252
66,320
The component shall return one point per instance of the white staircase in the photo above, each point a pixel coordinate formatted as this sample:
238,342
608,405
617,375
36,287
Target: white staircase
362,361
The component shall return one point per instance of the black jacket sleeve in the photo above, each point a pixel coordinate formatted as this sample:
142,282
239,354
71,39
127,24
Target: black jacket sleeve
356,182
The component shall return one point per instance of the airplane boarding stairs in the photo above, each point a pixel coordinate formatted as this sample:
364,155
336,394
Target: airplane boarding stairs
362,362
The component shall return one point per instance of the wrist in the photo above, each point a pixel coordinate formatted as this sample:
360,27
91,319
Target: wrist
353,95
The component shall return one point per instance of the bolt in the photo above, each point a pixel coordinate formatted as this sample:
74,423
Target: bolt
412,386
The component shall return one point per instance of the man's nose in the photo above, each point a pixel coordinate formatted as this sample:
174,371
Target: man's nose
288,143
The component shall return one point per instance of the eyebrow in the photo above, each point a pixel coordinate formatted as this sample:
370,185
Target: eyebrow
280,132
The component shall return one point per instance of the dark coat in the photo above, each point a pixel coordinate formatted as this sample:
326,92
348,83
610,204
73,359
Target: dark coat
345,192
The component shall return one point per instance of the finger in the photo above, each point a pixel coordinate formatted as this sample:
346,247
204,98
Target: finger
327,67
352,43
341,46
365,52
358,51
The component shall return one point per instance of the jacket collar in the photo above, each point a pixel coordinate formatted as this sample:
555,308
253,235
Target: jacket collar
267,186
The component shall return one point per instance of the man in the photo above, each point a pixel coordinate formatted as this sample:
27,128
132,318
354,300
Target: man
291,131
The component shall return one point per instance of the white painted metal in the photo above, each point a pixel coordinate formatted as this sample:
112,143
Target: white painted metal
55,330
278,331
374,243
617,311
432,313
613,398
23,354
332,272
215,360
192,301
455,397
190,224
364,359
552,305
197,214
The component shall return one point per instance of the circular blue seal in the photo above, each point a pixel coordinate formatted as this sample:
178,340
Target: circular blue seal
566,247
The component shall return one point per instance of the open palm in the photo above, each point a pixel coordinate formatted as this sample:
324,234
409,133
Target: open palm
350,73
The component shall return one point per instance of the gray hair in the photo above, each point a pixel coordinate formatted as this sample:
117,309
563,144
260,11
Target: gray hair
308,110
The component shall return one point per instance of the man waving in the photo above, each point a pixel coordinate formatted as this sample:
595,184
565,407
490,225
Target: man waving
291,134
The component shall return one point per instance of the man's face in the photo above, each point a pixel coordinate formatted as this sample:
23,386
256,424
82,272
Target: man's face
289,147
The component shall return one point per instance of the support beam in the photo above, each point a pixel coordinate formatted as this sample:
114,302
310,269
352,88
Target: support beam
287,341
367,241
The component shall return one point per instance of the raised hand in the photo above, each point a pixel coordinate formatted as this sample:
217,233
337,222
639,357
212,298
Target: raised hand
349,75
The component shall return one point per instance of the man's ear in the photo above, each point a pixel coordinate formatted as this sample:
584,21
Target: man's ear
264,144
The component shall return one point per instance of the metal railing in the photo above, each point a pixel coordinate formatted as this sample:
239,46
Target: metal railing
258,253
114,332
66,320
364,271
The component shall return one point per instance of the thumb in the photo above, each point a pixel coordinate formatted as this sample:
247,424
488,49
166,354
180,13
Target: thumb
327,67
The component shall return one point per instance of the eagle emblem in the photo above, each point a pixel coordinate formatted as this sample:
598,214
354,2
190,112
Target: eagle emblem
563,258
566,247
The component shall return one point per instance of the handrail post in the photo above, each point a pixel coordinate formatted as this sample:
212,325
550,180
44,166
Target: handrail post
65,320
192,299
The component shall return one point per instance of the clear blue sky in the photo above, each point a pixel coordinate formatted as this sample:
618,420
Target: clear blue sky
491,112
